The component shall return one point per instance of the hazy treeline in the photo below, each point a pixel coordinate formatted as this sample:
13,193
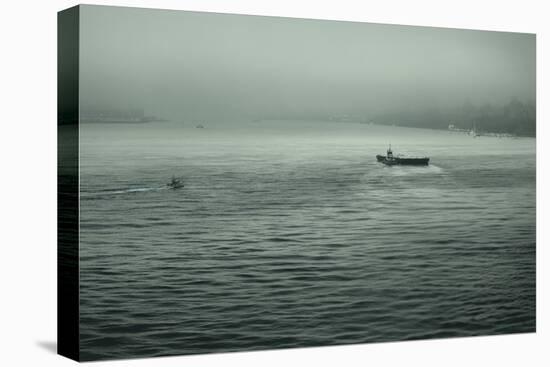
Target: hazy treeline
515,117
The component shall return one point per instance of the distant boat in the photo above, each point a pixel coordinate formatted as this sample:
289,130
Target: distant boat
391,160
199,126
175,183
473,132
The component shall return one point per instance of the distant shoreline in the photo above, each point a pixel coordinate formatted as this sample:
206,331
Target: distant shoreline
118,122
492,134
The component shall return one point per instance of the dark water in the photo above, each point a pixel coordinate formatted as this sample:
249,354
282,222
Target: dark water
293,235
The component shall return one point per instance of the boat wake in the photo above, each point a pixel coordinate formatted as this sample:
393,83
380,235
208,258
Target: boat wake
414,170
143,189
122,192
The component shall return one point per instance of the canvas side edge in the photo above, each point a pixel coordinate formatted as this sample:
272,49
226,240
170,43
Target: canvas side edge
68,338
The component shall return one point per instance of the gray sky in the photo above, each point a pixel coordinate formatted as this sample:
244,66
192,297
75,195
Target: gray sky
189,65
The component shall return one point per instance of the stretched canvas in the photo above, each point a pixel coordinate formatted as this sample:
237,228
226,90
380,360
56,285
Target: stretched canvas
238,183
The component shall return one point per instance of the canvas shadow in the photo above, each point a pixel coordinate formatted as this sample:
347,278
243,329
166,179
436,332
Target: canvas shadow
50,346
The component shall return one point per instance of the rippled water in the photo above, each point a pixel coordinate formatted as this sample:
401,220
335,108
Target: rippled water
291,234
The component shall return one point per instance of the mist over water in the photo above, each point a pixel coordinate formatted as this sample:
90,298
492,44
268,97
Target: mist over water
289,233
204,66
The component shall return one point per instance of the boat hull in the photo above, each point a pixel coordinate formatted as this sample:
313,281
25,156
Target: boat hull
423,161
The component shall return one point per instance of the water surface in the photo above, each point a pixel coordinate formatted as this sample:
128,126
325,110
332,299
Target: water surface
291,234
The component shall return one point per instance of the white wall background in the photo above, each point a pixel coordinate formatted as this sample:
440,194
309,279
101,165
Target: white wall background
28,182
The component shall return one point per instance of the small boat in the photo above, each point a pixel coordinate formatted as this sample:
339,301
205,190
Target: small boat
390,160
175,183
199,126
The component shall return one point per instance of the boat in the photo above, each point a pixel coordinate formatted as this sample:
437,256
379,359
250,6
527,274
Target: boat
390,160
175,183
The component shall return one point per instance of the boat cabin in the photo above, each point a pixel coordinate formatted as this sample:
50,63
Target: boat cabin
389,153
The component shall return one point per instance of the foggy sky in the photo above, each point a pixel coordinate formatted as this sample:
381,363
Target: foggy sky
189,65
